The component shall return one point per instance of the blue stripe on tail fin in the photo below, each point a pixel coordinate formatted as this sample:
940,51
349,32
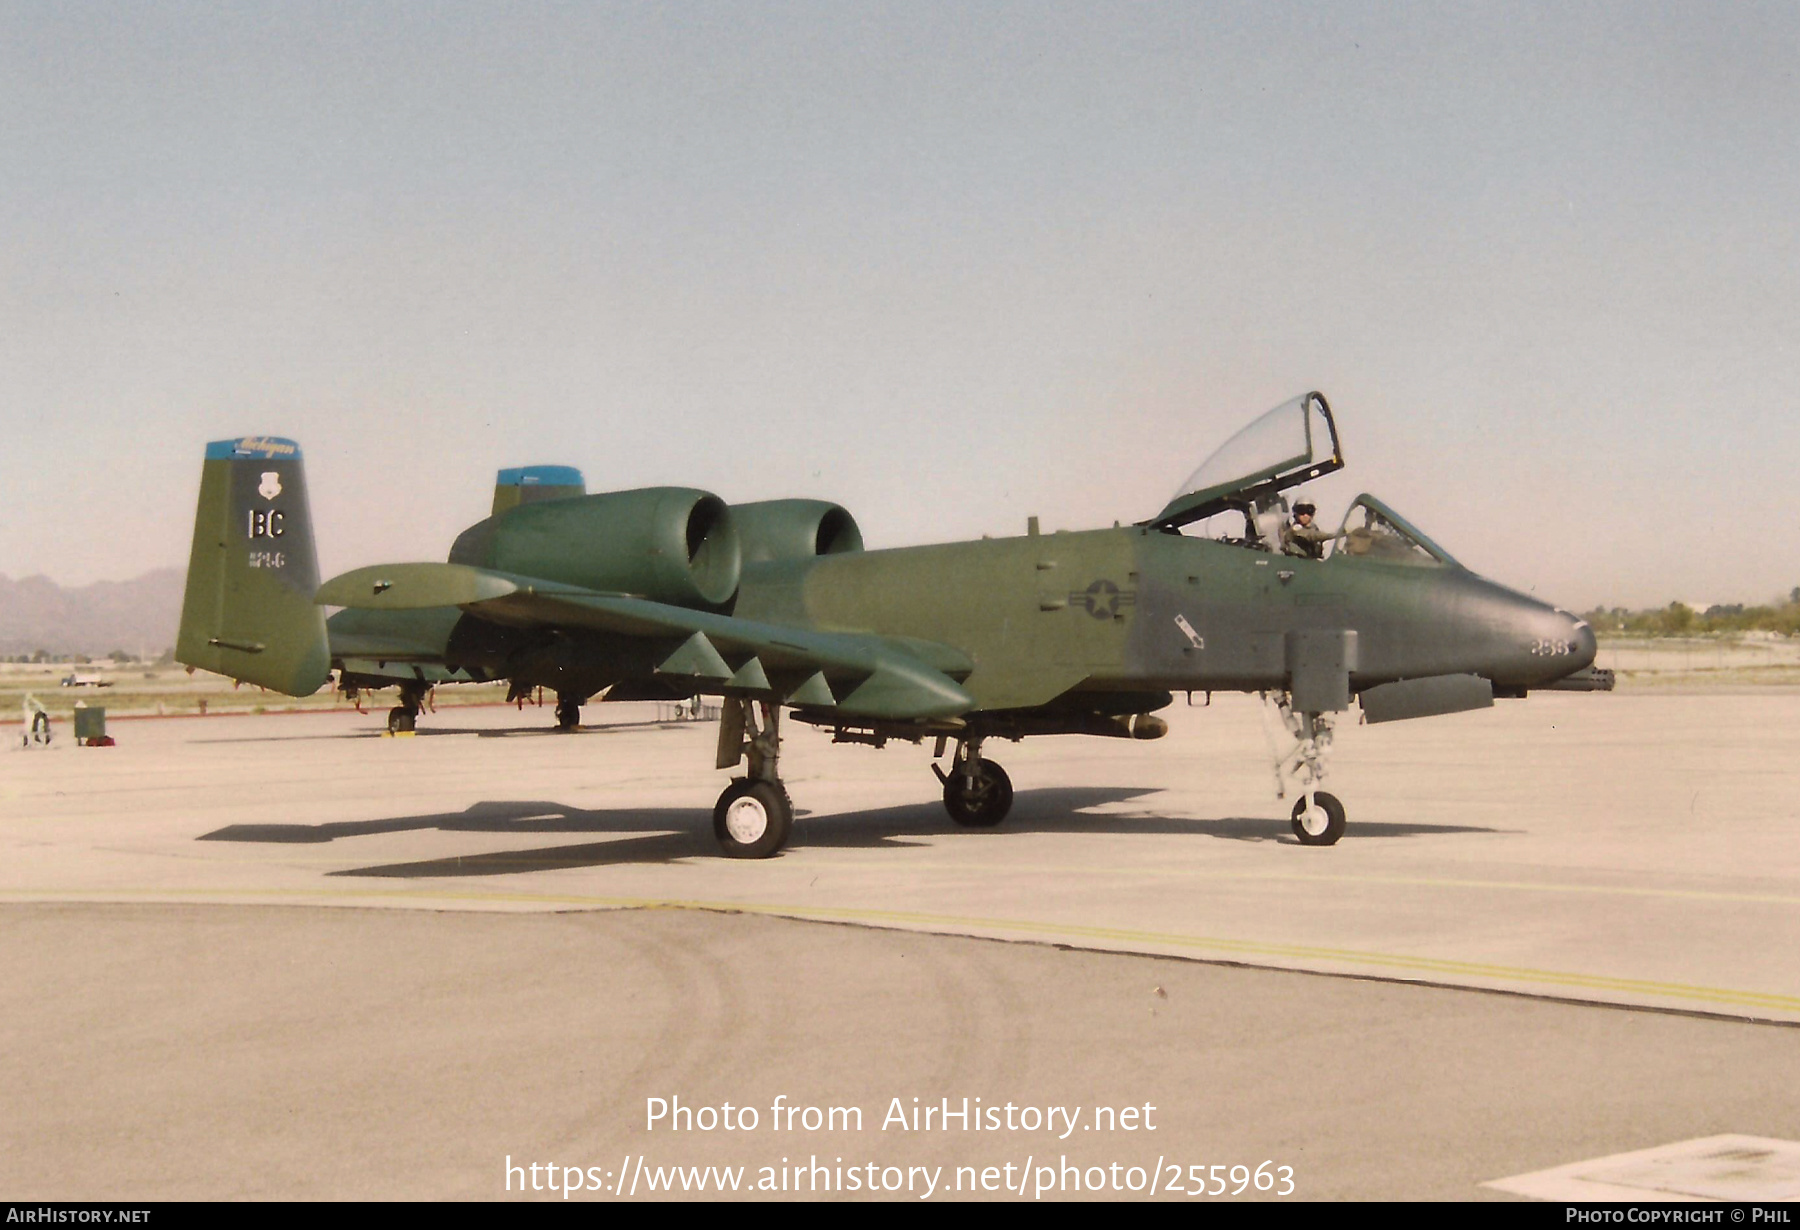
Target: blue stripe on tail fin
534,484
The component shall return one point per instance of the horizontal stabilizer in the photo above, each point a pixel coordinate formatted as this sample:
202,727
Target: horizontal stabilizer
379,672
411,587
421,635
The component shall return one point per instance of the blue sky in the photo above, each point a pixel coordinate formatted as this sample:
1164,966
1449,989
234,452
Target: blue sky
951,265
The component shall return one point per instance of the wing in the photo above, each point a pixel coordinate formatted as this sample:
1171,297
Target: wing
855,673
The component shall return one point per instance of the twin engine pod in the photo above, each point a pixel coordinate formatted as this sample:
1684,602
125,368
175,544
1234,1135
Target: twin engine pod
668,544
794,529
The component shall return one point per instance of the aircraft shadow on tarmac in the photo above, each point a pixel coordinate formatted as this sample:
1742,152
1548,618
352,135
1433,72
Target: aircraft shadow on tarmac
434,732
669,834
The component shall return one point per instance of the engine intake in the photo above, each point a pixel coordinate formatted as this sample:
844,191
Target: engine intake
794,529
668,544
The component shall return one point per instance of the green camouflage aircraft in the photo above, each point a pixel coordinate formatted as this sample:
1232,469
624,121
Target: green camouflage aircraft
669,592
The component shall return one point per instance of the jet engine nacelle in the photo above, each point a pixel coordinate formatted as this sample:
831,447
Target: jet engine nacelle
794,529
668,544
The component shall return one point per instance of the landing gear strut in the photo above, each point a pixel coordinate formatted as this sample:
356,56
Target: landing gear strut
1318,818
568,712
403,718
754,816
977,792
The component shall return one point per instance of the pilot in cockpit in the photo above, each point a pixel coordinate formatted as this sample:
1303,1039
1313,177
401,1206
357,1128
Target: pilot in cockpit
1301,537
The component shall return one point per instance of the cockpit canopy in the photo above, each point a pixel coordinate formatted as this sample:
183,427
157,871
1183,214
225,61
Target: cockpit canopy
1294,443
1239,489
1371,530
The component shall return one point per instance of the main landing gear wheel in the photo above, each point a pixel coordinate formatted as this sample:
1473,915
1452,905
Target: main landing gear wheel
752,819
568,714
984,805
1322,823
402,719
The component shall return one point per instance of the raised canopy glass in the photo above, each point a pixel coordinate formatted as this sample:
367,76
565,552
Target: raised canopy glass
1291,444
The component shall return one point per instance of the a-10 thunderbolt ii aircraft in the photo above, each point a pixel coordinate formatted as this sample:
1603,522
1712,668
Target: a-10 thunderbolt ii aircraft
668,592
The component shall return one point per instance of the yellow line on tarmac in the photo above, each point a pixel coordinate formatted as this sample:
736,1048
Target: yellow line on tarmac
1166,872
1279,877
1617,890
959,924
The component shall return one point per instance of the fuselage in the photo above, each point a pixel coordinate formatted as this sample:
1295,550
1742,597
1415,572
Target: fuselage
1133,608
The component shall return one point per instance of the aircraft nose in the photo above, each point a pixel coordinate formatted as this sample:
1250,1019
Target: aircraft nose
1583,637
1556,643
1532,643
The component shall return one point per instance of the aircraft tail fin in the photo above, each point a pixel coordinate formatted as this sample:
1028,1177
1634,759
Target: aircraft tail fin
248,611
530,484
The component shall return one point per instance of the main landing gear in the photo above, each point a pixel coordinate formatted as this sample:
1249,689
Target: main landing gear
754,816
403,718
977,792
1318,817
568,711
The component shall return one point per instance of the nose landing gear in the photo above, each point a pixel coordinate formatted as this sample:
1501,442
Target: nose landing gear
1318,818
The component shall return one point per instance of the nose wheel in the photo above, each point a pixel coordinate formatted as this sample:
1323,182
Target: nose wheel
1318,819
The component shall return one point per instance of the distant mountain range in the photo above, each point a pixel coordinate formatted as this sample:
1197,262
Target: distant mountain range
138,616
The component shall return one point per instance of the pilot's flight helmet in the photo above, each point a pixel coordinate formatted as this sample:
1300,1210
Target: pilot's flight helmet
1305,506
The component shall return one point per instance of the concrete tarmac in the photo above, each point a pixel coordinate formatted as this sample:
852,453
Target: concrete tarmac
167,1052
1631,850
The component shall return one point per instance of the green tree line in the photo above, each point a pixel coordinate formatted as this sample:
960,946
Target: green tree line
1781,615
